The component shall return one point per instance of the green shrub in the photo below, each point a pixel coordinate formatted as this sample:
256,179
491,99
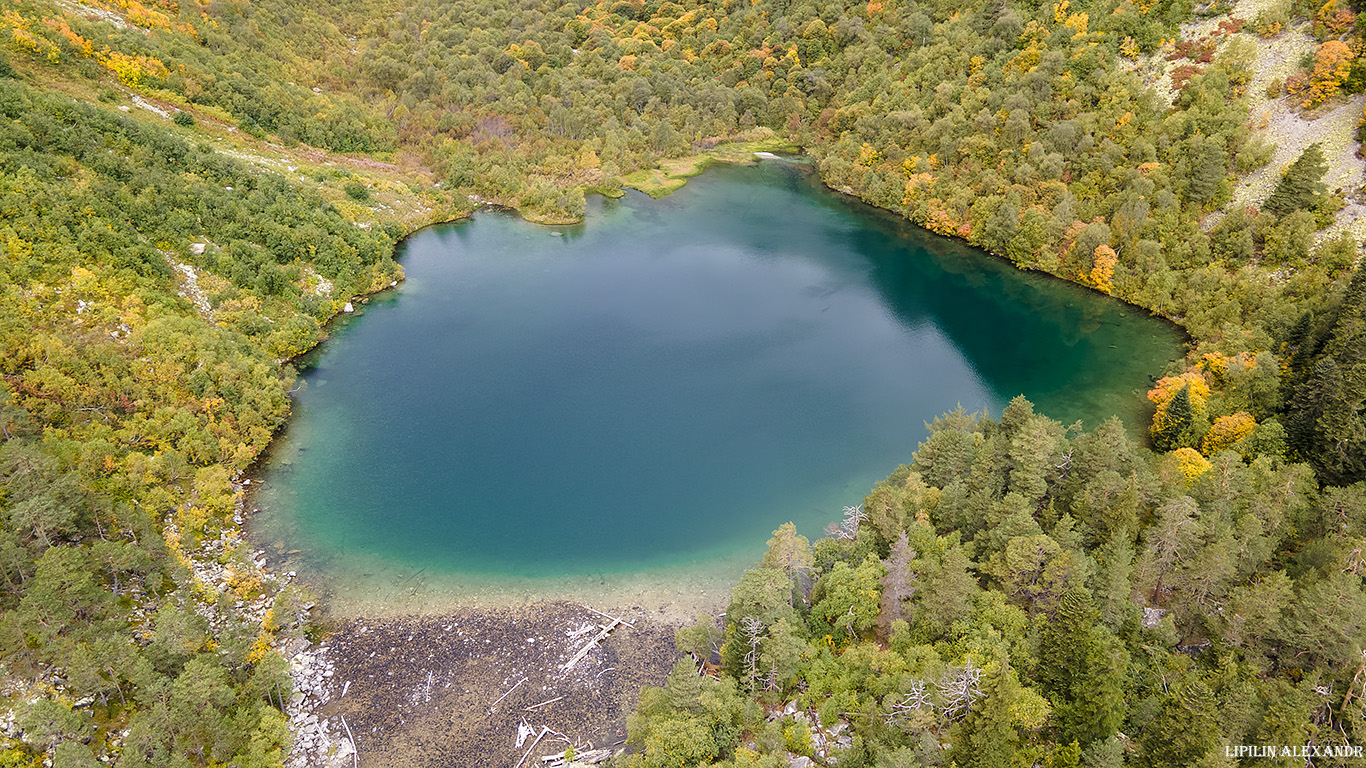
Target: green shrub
356,190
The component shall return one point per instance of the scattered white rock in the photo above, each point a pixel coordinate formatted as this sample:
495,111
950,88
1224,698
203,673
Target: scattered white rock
190,286
150,107
321,285
95,14
1153,616
348,308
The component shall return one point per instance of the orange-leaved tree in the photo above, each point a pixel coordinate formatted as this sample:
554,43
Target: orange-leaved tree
1332,63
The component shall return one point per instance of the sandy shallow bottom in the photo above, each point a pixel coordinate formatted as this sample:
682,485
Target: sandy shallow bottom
377,588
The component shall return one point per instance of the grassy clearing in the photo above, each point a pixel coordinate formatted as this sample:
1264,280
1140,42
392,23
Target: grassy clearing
673,173
653,182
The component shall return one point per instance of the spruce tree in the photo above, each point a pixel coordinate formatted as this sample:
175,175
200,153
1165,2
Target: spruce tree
988,737
1347,341
899,585
1175,423
1326,418
1082,669
1186,728
1298,345
1208,166
1302,185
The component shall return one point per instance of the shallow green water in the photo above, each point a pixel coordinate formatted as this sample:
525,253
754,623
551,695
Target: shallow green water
668,382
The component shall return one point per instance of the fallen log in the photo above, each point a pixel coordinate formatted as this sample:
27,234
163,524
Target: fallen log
590,757
607,615
355,748
544,731
607,630
494,706
542,704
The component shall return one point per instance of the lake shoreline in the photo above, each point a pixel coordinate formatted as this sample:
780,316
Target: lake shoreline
413,675
672,182
353,624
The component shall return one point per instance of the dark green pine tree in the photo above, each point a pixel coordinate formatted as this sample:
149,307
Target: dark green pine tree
1298,348
1208,166
1082,668
1185,729
988,737
1176,423
1320,420
1349,327
1325,421
1302,185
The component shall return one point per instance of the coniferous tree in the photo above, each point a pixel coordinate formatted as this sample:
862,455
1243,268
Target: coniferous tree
949,590
1186,727
898,585
1082,668
1302,185
1298,346
1325,426
1208,165
989,737
1326,415
1176,422
791,552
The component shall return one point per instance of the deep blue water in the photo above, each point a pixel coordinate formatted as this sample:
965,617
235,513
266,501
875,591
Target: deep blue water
669,381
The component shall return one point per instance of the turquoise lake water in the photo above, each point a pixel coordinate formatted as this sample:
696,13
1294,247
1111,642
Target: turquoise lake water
668,382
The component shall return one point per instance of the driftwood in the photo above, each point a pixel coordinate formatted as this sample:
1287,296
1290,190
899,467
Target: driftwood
355,748
494,705
590,757
598,638
529,749
607,616
586,628
542,704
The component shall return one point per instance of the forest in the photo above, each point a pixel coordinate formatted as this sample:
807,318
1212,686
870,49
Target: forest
1021,593
1025,593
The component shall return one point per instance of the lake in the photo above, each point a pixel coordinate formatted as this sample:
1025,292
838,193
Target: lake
665,384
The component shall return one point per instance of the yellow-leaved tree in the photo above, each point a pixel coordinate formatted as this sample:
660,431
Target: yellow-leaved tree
1190,463
1226,431
1103,260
